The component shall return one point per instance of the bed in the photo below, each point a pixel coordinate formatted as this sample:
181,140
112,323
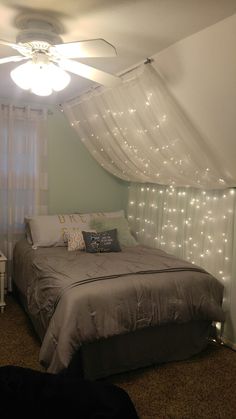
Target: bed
108,312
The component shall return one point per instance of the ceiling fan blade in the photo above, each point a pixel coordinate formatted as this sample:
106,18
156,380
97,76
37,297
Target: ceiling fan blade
86,49
9,44
20,48
12,59
89,72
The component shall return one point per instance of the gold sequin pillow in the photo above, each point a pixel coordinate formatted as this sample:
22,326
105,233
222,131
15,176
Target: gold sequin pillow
74,239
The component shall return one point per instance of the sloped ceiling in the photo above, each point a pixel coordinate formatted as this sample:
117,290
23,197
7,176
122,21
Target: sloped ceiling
137,28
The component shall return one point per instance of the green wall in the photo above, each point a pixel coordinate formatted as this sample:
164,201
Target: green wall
77,183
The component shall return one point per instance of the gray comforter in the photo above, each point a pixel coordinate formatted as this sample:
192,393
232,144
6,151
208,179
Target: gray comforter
80,297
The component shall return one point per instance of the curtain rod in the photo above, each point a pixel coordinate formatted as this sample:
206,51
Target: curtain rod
49,112
147,61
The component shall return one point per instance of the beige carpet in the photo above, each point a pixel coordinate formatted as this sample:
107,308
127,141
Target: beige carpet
203,387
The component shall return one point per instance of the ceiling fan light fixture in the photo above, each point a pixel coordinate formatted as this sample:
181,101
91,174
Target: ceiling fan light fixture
41,77
50,60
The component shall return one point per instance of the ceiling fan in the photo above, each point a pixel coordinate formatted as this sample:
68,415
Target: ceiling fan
48,59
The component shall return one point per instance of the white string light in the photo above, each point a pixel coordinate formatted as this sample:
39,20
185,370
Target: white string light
137,132
189,223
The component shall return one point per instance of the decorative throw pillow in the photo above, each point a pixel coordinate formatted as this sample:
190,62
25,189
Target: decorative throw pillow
105,241
121,224
74,239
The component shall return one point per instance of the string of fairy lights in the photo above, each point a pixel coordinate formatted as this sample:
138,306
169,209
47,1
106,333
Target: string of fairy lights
193,224
139,133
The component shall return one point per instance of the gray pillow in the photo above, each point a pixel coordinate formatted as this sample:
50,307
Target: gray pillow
105,241
120,223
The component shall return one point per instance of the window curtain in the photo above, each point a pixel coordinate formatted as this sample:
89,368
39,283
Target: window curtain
138,133
23,173
193,224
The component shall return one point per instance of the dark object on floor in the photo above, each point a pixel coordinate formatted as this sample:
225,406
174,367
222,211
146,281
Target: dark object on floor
37,394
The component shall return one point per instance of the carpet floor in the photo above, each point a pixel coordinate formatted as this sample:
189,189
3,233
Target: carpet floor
203,387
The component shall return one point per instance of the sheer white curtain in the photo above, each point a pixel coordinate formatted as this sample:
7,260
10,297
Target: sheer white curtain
196,225
23,172
138,132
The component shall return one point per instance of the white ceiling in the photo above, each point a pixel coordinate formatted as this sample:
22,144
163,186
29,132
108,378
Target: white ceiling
137,28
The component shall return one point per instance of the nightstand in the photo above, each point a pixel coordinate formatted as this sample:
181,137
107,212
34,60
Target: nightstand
3,261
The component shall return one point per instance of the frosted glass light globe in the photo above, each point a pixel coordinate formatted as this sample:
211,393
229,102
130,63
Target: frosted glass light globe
40,76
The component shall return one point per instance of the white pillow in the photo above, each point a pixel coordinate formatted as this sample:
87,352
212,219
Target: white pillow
48,230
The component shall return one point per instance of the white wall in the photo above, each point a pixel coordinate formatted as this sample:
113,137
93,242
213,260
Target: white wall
200,72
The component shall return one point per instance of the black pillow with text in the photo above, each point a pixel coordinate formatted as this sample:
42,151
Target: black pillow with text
105,241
